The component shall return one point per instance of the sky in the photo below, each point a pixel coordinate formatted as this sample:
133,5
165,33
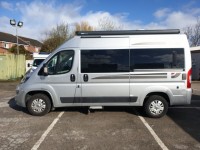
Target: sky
40,16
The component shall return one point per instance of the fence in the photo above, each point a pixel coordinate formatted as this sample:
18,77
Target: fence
12,66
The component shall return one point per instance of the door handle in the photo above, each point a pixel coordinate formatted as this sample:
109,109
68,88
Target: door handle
85,77
72,77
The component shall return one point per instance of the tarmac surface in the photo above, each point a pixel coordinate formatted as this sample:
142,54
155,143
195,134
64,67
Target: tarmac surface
120,128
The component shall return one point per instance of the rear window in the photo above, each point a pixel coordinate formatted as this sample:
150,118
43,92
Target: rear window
157,58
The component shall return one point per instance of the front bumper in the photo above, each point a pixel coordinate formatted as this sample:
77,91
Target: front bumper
20,97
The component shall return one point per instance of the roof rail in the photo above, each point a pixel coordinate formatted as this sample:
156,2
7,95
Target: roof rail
128,32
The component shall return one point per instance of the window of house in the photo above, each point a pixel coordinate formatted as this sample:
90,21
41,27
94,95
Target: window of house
104,61
157,58
6,45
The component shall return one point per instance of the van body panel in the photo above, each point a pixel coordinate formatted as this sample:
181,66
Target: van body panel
96,84
111,42
112,89
25,90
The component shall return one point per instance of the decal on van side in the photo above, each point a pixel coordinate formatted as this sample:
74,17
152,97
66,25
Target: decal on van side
135,76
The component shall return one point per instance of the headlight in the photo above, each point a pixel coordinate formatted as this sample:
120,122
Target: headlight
17,90
27,75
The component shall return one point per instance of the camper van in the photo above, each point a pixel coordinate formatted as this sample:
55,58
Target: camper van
148,68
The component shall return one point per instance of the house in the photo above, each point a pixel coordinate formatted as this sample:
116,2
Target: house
195,52
8,40
4,51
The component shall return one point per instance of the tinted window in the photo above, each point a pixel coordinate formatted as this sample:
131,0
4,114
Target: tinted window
101,61
60,63
156,58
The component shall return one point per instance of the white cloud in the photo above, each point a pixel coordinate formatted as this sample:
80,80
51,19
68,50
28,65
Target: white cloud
39,16
179,20
5,25
6,5
196,11
93,18
161,13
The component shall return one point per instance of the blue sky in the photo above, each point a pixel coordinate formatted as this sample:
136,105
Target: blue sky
41,15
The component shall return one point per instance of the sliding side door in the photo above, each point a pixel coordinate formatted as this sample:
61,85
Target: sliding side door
105,76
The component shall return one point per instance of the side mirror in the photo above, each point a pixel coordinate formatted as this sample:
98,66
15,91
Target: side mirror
45,70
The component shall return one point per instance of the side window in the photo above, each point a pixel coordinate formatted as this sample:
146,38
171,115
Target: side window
60,63
104,61
51,65
157,58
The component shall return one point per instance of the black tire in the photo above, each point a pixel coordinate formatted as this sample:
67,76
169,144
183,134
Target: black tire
156,106
35,103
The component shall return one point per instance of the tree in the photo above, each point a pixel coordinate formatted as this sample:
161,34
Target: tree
22,50
55,37
108,24
193,33
83,26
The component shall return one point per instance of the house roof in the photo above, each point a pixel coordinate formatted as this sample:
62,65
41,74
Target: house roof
6,37
21,40
31,41
3,50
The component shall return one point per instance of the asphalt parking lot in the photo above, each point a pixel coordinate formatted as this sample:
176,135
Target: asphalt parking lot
121,128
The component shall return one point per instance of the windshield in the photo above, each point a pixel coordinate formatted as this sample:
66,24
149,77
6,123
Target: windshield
37,62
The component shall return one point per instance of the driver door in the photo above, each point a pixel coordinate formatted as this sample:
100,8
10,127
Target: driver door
62,76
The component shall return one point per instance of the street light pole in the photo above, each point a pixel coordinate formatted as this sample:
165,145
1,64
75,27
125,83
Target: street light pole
19,24
17,42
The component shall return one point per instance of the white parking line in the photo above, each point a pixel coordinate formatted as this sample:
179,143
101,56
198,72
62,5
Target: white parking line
42,138
4,104
8,98
158,140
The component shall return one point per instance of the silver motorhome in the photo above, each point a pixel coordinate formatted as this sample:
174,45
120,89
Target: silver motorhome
149,68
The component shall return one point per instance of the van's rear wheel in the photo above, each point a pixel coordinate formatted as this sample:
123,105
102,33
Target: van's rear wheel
39,105
156,106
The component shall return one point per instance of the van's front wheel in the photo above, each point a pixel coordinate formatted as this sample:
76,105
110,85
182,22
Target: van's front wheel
156,106
39,105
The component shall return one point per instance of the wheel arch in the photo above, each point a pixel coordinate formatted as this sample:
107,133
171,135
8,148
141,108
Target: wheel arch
31,93
165,95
